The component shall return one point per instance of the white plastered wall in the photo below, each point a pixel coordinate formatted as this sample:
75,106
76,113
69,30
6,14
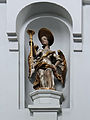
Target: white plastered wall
9,77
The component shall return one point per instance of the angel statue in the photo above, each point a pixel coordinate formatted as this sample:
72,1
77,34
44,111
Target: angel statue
44,64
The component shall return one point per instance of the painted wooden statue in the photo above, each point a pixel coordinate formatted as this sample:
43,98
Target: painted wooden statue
44,64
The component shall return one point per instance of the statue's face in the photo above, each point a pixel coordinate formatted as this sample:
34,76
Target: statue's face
44,40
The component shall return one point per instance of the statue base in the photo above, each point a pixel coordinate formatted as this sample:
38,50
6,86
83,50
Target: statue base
46,104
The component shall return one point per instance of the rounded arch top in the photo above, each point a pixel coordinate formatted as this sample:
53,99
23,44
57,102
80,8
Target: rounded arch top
40,9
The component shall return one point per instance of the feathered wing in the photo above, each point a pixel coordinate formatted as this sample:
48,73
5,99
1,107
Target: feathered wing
62,67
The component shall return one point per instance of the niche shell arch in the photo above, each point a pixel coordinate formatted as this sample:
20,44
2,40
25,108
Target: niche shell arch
58,20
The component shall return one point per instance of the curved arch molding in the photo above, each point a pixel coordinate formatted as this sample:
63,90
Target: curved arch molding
26,10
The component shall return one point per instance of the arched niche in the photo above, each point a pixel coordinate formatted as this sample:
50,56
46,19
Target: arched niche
40,9
58,20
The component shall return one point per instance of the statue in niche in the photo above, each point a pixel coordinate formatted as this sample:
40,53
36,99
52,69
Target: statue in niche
44,64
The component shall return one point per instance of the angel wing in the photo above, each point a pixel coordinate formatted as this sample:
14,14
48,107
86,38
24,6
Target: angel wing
62,67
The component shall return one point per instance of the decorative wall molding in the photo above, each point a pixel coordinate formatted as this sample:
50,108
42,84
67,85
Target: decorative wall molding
86,2
2,1
25,5
13,42
77,39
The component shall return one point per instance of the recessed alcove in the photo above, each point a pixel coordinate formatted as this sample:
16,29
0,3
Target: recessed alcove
62,41
58,20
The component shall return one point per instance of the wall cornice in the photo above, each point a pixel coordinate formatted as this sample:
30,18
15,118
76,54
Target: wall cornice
2,1
86,2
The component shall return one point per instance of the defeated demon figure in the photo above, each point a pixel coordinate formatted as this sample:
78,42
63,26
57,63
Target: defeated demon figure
45,65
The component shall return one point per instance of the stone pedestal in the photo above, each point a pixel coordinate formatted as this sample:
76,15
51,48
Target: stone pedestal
46,104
